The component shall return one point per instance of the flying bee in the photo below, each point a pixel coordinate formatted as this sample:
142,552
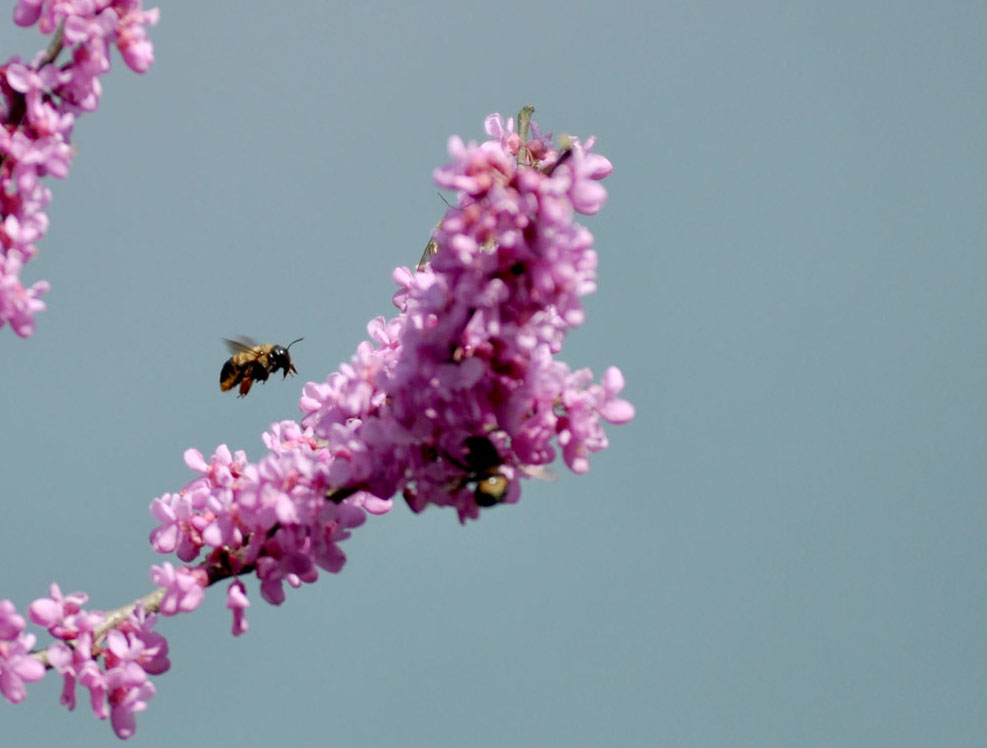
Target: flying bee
251,362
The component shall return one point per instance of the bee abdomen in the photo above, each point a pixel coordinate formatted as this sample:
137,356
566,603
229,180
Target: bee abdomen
230,375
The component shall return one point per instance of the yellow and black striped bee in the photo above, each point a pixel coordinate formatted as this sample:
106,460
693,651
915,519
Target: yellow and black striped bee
252,362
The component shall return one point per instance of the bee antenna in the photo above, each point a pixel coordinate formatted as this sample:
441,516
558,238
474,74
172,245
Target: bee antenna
287,347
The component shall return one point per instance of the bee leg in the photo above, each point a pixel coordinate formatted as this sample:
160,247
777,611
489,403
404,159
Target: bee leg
259,371
245,385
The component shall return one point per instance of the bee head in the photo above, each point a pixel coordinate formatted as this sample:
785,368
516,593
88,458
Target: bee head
280,359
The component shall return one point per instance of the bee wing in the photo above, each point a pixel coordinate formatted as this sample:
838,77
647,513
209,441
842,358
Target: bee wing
539,472
430,249
242,344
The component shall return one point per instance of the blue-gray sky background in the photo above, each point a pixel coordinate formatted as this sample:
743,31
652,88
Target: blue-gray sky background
785,548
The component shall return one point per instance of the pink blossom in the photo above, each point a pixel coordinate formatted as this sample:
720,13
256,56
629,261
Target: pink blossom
18,305
127,686
27,12
153,656
51,612
11,622
76,665
236,601
177,532
90,676
17,667
183,590
131,36
39,104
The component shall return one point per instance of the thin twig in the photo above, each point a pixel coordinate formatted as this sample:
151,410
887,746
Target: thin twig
55,48
151,602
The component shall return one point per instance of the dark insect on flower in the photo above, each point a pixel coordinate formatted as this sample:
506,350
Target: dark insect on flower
252,362
564,156
482,467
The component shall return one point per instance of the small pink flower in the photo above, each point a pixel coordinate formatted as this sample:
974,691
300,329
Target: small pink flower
132,40
127,686
176,532
153,653
50,612
17,667
183,590
75,664
236,601
11,623
18,305
27,12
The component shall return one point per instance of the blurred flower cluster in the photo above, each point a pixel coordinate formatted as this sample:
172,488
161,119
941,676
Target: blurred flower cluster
39,103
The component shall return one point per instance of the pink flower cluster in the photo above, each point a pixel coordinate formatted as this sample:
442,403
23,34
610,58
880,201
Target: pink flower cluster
469,362
39,103
113,666
272,518
449,403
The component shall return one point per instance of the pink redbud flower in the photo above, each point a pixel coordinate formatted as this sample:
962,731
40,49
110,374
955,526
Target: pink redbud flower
18,305
183,589
91,677
52,612
76,665
127,684
177,532
17,667
153,655
236,601
27,12
131,36
581,433
11,622
39,104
